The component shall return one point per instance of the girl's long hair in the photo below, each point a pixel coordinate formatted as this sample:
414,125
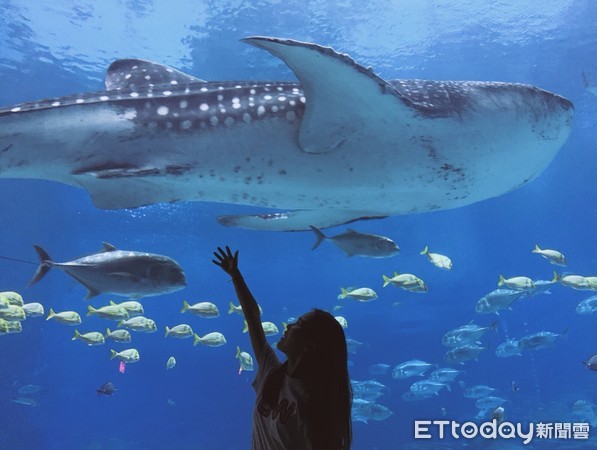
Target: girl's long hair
324,370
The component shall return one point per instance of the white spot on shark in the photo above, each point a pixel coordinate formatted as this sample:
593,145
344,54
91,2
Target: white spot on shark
163,111
130,114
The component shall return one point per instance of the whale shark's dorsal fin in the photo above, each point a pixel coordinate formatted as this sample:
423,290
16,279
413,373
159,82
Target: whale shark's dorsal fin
133,74
345,102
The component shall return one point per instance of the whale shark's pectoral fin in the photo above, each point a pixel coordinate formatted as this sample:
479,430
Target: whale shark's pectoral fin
346,105
295,220
128,192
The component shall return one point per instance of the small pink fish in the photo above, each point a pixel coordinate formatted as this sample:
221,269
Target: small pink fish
122,367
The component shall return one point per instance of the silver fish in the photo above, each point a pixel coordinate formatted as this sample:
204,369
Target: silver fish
463,353
541,339
354,243
363,411
497,300
120,272
341,145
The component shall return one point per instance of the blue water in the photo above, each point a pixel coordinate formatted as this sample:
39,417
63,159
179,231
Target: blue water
49,51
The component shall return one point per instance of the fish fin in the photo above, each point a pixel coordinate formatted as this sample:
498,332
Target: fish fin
341,98
320,237
51,314
185,307
231,309
196,339
167,331
386,280
45,264
132,74
127,187
90,310
425,251
300,220
108,247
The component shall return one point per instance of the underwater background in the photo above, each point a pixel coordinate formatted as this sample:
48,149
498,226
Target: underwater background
203,403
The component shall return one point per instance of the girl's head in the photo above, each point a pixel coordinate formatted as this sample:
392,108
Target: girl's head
316,348
315,338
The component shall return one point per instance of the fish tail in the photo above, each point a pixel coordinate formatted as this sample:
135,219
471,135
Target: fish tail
167,331
45,264
231,309
108,332
76,336
196,339
285,326
344,293
90,310
320,237
120,324
536,249
556,277
51,314
246,327
185,306
386,280
502,279
113,354
237,351
425,251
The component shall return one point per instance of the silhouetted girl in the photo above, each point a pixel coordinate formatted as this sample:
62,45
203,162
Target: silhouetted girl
305,402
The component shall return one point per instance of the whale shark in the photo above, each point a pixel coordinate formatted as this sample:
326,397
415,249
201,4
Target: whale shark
339,145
